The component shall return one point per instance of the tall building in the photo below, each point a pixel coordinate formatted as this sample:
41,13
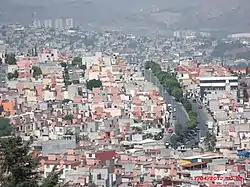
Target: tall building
39,25
69,23
59,24
34,24
48,23
34,21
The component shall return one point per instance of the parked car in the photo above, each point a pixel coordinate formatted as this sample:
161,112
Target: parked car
199,107
170,131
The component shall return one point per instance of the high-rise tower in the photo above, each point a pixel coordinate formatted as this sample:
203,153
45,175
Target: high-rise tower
59,24
69,23
34,20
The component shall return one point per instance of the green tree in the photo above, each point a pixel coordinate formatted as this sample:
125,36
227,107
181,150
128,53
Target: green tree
169,69
19,169
63,64
16,74
52,179
177,93
10,76
36,71
187,104
11,59
174,141
66,77
77,61
210,141
222,47
147,65
158,136
83,67
192,123
179,130
5,127
94,84
149,136
245,95
68,117
162,76
137,129
156,68
66,101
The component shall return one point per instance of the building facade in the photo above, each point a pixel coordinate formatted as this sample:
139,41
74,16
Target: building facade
210,84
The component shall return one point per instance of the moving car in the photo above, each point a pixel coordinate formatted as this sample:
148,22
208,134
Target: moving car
199,107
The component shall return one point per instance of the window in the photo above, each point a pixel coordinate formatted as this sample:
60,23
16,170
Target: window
90,155
212,81
47,166
99,176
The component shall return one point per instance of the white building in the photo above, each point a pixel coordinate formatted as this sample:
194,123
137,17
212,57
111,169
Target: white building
48,23
37,24
69,23
59,24
210,84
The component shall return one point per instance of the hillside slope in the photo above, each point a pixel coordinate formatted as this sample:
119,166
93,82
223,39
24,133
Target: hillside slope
233,15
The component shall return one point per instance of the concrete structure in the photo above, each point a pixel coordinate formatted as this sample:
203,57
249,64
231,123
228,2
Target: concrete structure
211,84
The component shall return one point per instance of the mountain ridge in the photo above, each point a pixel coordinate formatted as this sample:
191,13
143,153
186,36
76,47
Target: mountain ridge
232,15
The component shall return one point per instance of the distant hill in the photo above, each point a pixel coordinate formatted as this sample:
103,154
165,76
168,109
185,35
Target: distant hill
230,15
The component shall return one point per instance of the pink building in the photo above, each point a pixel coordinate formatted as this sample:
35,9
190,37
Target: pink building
24,68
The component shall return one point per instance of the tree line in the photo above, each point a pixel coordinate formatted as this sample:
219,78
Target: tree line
167,79
172,85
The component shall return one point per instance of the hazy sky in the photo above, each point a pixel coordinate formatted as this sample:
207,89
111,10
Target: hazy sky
183,13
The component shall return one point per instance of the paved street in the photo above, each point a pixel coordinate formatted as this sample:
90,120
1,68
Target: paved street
180,114
202,117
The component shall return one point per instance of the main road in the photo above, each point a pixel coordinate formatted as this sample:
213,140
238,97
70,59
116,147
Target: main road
180,113
202,117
